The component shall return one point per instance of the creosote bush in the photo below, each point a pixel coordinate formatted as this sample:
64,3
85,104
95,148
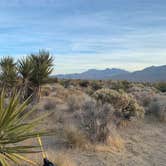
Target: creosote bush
117,85
84,83
125,105
96,85
65,83
95,120
161,86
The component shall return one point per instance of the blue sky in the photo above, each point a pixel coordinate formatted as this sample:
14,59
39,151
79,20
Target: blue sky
84,34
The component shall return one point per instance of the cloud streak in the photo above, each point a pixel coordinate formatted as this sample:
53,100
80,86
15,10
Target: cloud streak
85,34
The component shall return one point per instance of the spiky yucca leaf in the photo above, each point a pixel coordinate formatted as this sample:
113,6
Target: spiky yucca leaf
15,128
25,67
42,63
42,67
8,72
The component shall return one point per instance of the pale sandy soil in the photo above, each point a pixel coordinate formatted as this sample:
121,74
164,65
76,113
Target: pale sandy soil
145,145
144,140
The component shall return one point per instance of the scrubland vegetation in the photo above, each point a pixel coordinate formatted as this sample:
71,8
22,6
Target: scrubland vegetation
95,122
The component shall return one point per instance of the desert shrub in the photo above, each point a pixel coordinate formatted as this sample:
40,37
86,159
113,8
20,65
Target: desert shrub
52,80
96,85
161,86
117,85
154,108
84,83
144,95
95,118
74,137
65,83
125,105
45,91
74,102
145,99
49,105
89,91
114,142
158,109
125,84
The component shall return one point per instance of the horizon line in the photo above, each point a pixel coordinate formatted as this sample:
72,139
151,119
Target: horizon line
110,69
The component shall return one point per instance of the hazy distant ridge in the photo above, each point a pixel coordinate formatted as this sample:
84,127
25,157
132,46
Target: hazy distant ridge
150,74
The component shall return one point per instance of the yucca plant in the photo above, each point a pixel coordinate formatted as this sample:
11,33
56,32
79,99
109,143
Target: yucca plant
25,69
42,67
8,72
15,127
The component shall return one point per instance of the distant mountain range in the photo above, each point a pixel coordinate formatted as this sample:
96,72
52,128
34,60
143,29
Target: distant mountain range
150,74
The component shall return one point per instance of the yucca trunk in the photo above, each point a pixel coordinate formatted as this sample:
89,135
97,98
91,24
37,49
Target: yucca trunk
25,89
36,94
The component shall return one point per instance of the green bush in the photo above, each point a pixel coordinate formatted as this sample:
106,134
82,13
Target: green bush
161,86
65,83
117,85
96,85
125,105
84,83
52,80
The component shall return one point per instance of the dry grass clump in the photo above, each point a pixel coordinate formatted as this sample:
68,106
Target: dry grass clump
114,143
75,138
62,159
125,105
45,91
74,102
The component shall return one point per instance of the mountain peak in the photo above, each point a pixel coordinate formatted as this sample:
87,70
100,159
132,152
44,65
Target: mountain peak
95,74
149,74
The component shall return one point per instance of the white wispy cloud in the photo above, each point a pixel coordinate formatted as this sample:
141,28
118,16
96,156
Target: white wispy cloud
86,34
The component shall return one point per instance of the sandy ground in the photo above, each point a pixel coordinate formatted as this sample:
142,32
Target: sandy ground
145,145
